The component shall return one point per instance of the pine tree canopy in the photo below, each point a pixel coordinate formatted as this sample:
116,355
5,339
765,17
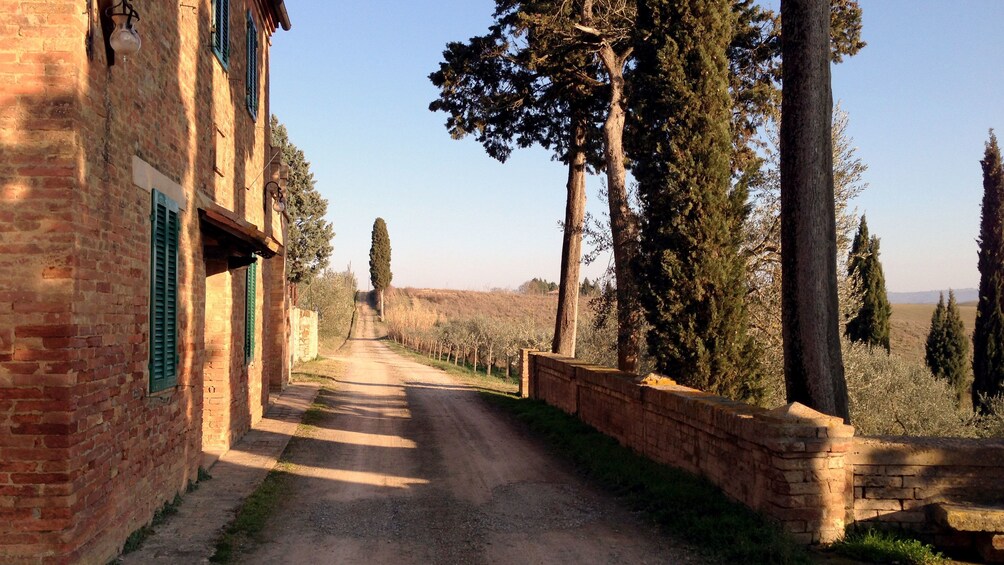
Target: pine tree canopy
988,339
308,241
870,325
380,274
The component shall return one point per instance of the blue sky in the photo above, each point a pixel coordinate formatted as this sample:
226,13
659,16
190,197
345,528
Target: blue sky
350,83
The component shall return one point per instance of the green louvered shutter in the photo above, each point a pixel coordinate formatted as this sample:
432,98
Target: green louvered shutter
249,312
163,293
221,31
252,67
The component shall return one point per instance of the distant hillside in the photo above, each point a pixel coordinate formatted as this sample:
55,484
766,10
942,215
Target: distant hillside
931,296
911,322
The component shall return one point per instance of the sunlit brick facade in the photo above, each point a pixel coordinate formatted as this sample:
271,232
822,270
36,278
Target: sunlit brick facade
92,440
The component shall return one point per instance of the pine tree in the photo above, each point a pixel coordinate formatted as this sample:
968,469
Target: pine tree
988,339
948,345
380,274
308,243
870,325
693,276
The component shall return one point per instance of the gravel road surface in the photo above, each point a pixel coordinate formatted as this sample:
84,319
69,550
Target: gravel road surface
406,465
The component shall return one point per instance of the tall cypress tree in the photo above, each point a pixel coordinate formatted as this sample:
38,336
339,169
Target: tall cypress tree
935,353
988,339
693,276
380,274
871,323
948,345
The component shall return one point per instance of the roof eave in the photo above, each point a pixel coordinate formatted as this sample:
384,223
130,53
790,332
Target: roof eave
280,10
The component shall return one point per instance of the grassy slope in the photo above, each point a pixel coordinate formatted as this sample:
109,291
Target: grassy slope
910,324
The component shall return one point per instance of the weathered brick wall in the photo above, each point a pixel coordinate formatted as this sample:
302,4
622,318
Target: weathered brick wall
787,463
896,479
304,335
794,464
42,340
87,453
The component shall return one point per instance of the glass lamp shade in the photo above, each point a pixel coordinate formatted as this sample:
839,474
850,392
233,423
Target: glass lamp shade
124,40
279,205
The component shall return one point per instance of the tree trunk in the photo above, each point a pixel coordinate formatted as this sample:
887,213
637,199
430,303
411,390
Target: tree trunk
623,221
566,321
508,362
474,359
813,368
488,365
381,305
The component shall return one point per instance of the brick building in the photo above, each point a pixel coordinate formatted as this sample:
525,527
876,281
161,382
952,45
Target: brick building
142,293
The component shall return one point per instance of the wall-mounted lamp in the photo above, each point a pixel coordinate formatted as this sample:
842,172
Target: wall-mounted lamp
124,39
278,193
275,187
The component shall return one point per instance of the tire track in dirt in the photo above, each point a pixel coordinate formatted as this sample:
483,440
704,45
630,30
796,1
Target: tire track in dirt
408,466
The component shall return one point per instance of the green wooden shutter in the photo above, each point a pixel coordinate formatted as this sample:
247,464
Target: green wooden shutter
221,31
249,311
165,227
252,67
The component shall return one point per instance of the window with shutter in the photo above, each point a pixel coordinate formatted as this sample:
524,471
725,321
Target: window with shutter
249,311
252,67
221,31
165,226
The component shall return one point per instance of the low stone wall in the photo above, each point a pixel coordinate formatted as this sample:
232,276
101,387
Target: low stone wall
303,335
897,479
786,463
801,467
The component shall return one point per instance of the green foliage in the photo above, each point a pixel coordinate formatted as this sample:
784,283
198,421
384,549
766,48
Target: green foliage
870,324
892,396
947,350
380,274
755,69
333,296
254,512
308,241
589,288
537,286
508,91
876,546
988,339
693,275
136,539
684,504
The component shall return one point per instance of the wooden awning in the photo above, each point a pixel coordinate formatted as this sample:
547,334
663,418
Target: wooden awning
236,235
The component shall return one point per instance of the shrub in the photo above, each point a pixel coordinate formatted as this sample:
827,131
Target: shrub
883,547
891,396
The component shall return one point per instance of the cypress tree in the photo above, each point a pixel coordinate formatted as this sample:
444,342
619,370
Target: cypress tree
948,345
380,274
692,275
871,323
935,351
988,339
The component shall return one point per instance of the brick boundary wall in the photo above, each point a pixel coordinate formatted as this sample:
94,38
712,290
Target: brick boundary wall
896,481
793,464
786,463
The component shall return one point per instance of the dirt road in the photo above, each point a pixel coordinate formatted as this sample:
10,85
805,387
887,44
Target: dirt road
408,466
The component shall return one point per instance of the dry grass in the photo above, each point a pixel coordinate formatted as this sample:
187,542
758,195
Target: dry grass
910,324
456,305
